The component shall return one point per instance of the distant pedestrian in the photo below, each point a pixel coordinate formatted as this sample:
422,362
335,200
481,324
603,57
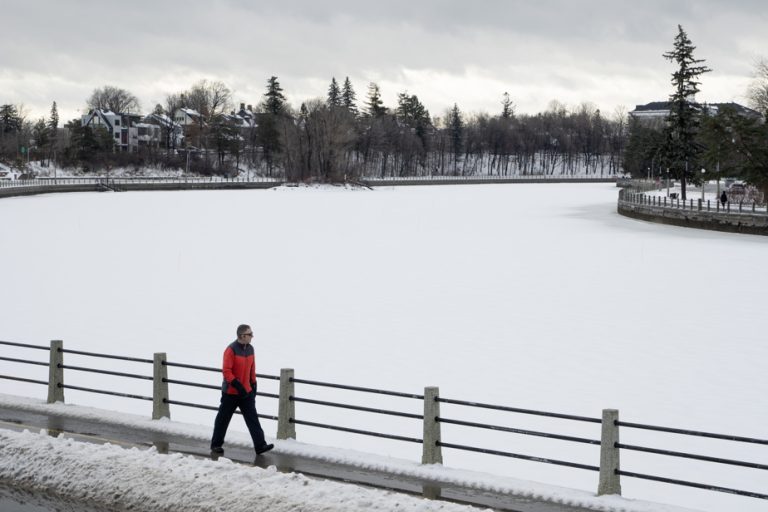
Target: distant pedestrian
239,391
723,198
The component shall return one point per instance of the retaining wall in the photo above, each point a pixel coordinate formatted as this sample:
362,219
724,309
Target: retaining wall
753,223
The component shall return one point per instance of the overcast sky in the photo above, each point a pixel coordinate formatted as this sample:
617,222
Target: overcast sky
606,52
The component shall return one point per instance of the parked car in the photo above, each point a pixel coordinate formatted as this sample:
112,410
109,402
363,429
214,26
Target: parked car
737,189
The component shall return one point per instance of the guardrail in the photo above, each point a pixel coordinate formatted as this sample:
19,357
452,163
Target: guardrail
741,217
609,467
89,184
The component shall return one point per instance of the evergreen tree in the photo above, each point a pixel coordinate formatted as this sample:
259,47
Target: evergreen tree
53,120
348,96
274,100
507,107
53,130
413,113
456,132
41,132
334,94
684,112
374,106
268,134
10,120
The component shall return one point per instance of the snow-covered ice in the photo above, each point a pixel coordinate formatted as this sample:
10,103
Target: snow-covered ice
534,296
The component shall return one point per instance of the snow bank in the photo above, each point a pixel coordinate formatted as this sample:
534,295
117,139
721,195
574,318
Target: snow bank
143,480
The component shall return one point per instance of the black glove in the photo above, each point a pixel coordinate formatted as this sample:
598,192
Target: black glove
253,387
239,387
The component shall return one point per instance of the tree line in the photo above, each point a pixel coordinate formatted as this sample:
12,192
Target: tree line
340,137
332,138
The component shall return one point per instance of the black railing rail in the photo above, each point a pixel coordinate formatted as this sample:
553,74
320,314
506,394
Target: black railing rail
26,361
519,456
107,356
22,379
358,388
693,456
697,485
211,408
357,408
25,345
519,431
105,392
215,370
696,433
105,372
357,431
520,411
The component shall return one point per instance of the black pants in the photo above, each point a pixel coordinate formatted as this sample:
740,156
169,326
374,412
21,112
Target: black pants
227,408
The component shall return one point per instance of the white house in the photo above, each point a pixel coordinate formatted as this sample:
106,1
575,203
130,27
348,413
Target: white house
127,130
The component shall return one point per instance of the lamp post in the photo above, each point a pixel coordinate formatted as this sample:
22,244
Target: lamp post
667,181
702,184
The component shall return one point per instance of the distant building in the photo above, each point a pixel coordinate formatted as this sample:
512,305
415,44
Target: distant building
171,132
656,112
127,130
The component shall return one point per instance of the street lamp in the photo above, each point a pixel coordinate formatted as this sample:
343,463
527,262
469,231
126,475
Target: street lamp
702,183
667,181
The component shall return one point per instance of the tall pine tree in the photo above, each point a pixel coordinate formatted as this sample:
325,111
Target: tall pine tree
374,105
684,112
267,133
507,107
348,96
334,94
274,100
456,133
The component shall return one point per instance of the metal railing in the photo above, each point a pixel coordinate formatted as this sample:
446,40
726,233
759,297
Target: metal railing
432,442
661,203
120,183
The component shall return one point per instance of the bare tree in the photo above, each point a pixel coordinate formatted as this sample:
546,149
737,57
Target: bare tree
209,98
757,93
115,99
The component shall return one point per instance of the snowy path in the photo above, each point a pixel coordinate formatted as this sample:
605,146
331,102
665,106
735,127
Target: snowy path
26,460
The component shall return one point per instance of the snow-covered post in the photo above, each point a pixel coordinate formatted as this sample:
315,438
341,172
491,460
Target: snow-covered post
610,481
431,453
160,406
56,372
286,408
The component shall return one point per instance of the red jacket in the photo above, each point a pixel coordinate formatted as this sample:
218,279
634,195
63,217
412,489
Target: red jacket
239,363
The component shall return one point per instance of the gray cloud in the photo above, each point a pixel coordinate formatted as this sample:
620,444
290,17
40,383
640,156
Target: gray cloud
600,51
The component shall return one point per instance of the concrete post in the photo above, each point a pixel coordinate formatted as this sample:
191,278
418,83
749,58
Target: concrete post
610,481
56,372
286,408
160,406
432,453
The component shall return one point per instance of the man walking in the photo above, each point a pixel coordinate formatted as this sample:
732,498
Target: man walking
239,390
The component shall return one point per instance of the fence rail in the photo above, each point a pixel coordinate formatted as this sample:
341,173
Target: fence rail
432,443
9,187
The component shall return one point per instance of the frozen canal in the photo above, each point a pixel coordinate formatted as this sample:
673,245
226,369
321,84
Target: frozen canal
534,296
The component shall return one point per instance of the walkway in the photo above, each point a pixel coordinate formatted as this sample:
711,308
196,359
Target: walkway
93,432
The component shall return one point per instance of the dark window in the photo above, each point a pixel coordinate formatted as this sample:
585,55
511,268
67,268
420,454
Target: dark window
117,135
117,122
